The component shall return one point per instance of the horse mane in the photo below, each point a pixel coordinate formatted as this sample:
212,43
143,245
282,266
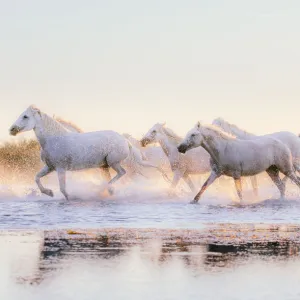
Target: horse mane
68,124
216,130
171,135
127,135
234,129
51,125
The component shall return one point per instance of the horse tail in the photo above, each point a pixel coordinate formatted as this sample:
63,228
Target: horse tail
138,160
135,158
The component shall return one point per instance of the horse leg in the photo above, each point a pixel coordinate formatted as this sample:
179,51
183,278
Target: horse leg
284,180
120,172
189,182
105,173
150,165
273,172
61,173
238,186
45,171
254,185
176,178
212,177
293,177
296,168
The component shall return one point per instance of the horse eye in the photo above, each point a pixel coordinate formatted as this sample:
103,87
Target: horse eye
193,135
25,117
154,131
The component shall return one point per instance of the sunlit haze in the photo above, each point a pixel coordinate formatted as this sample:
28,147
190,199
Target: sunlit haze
125,65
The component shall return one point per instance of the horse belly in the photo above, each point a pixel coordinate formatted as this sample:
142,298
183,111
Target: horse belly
70,157
245,167
86,151
86,162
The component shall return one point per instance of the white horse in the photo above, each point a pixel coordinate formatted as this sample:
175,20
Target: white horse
153,154
132,164
290,139
236,158
63,150
195,161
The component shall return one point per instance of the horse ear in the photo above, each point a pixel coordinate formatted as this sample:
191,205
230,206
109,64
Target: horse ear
35,109
198,125
163,124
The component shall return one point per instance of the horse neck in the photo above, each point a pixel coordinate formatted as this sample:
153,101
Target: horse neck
214,145
46,127
169,148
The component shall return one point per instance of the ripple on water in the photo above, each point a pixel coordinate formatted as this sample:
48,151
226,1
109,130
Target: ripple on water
54,213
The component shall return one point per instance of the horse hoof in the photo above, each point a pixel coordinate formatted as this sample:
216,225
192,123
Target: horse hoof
194,202
49,193
111,191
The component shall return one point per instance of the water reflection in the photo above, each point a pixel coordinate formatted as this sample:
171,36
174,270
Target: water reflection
47,265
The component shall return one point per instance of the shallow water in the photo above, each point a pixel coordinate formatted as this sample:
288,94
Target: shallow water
158,213
35,267
149,245
140,205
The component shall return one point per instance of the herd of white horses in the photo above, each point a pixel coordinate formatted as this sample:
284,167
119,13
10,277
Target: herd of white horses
220,148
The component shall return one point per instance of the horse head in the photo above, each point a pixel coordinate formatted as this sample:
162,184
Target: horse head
152,135
26,121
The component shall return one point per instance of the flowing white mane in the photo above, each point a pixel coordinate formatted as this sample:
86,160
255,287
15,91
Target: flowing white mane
55,125
127,135
71,126
232,128
213,130
171,135
51,126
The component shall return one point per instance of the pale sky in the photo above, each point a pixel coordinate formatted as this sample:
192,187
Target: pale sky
125,65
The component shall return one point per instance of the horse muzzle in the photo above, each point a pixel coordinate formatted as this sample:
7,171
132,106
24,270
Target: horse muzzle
14,130
182,148
144,142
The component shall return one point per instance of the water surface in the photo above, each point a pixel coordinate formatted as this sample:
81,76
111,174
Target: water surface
34,266
158,213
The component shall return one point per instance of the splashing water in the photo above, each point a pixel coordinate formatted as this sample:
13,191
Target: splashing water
140,203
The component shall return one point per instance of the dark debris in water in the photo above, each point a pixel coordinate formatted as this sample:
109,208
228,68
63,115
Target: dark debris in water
221,233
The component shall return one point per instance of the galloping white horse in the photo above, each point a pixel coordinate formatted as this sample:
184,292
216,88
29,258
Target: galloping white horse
195,161
290,139
63,150
153,154
132,163
236,158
